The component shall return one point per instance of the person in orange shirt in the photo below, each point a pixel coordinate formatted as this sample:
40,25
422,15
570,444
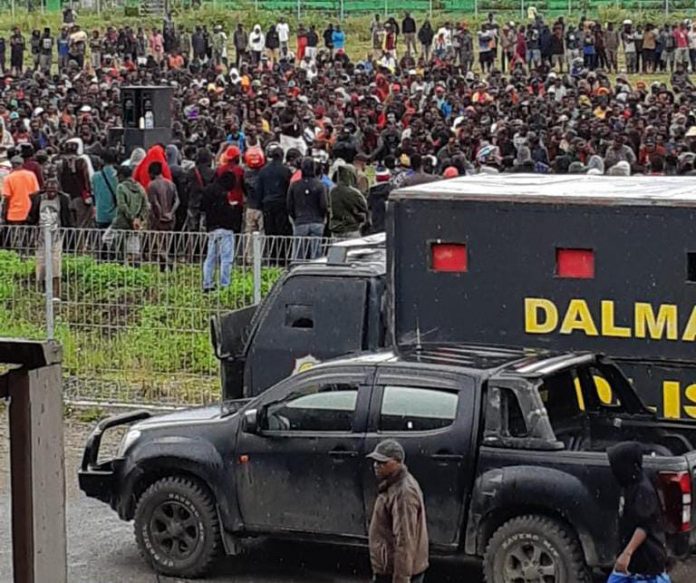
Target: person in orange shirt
17,189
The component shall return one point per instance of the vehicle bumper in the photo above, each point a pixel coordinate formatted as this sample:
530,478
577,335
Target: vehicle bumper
99,480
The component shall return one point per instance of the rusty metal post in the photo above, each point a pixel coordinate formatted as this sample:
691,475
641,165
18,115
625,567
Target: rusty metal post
37,466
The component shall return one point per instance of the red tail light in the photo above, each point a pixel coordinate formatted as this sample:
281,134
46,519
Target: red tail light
676,488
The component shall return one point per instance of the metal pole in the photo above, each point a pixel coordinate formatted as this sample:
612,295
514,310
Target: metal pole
522,11
475,8
256,5
570,7
431,9
666,7
343,10
299,9
386,8
13,8
48,280
256,259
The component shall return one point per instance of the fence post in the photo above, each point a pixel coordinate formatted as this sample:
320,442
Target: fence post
430,9
666,7
299,9
570,7
475,8
48,279
256,263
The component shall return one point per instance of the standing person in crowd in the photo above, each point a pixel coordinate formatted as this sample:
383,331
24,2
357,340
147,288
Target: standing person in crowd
74,176
104,187
629,46
157,46
377,34
199,45
200,177
222,220
408,27
398,533
46,51
17,189
95,48
241,43
257,44
272,185
131,215
17,46
649,46
641,522
307,208
50,209
164,201
69,15
312,43
425,37
219,43
35,47
78,45
681,41
348,207
63,44
272,44
283,30
611,45
254,161
692,47
328,37
338,40
3,55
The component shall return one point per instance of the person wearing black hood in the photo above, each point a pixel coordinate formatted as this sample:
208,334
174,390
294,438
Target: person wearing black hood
644,555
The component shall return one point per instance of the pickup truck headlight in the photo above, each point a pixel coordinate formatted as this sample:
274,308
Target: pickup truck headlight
128,439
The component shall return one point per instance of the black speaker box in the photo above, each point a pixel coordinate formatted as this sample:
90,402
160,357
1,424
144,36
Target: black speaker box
135,138
136,102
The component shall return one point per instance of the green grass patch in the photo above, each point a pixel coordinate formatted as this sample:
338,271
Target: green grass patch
127,331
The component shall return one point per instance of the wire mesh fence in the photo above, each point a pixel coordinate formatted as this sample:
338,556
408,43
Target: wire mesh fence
132,309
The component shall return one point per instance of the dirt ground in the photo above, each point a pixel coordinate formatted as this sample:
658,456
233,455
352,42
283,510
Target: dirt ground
101,549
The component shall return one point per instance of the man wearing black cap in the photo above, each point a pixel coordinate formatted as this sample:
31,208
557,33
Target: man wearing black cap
398,533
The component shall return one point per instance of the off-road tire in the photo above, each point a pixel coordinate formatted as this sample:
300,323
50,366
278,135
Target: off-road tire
554,546
178,511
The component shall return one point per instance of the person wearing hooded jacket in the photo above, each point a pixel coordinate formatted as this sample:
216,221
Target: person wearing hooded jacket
257,44
307,208
348,207
641,526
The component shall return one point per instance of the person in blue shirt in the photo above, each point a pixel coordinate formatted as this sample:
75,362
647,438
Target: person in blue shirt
338,38
63,44
104,185
236,137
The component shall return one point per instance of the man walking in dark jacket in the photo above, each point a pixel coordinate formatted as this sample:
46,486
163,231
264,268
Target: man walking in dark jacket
272,189
398,535
164,201
307,208
408,27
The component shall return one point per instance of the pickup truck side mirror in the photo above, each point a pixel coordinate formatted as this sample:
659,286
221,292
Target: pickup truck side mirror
251,421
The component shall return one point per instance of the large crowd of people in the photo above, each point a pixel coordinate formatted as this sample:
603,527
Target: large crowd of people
292,132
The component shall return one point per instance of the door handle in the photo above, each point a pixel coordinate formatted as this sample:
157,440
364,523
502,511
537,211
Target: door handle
447,457
343,453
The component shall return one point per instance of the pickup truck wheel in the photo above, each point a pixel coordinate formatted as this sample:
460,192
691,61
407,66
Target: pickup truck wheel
177,527
534,549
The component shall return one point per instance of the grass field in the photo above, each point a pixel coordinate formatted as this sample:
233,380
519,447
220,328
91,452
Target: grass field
132,333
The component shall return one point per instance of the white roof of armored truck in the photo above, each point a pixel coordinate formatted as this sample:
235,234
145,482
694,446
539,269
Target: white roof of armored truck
678,191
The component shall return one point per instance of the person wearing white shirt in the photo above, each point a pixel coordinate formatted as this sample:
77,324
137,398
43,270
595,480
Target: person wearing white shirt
283,30
692,47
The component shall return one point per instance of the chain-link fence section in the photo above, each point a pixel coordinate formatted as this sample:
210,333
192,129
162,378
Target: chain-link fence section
132,309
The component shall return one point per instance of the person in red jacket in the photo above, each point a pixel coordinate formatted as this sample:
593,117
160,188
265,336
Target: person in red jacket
142,171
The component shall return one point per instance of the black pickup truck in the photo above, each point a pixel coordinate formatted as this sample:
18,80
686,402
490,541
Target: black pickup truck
508,446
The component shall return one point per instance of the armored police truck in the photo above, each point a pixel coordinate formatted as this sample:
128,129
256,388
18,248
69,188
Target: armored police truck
606,264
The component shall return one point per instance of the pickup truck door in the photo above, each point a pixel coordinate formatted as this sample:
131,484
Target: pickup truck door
301,471
311,319
433,419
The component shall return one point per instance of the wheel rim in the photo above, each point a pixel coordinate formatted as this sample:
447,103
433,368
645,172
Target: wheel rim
530,562
174,531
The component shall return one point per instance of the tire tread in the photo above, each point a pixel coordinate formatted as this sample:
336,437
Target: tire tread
206,504
545,524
